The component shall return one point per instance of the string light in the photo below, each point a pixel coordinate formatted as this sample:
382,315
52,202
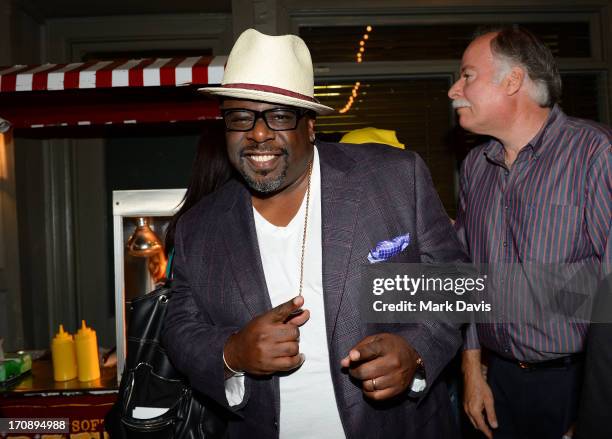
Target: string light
358,58
362,42
351,99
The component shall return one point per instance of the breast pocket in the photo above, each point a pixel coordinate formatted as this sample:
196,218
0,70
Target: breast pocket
546,232
405,256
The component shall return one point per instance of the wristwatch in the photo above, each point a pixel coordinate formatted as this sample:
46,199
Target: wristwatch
420,366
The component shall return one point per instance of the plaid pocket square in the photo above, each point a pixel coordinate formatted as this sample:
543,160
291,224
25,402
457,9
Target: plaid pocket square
387,249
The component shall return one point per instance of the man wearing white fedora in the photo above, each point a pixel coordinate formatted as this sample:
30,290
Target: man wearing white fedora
265,317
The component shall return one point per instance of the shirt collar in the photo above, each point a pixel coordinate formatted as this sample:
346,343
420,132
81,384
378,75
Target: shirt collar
494,150
555,118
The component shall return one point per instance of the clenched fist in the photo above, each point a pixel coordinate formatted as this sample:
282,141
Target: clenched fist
270,342
384,363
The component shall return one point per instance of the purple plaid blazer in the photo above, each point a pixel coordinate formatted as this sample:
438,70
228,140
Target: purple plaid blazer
369,193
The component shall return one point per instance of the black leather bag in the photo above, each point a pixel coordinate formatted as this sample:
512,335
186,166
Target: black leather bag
150,380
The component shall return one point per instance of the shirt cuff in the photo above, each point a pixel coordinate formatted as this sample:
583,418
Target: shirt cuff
470,340
234,390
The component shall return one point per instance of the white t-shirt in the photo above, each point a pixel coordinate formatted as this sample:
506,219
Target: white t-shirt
308,405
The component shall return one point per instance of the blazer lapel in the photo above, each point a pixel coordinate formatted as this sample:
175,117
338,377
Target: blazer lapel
340,198
243,251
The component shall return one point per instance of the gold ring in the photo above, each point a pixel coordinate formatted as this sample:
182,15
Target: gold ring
374,384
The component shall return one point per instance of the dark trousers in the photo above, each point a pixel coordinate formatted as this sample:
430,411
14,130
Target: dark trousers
595,417
534,403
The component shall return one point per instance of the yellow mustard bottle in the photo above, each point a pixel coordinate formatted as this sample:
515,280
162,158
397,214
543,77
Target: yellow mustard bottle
87,353
63,356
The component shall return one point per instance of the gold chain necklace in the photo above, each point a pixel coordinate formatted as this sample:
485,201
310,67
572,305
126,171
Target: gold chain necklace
305,228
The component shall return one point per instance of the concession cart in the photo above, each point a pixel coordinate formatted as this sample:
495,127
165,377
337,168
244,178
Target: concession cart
102,99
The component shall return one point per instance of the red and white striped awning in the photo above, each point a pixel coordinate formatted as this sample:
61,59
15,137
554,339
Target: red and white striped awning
109,93
109,74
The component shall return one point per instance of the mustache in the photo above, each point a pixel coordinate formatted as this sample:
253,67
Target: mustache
458,103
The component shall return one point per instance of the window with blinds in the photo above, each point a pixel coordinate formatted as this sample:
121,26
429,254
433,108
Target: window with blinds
431,42
416,108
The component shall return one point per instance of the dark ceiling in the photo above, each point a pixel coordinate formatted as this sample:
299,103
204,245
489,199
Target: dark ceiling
81,8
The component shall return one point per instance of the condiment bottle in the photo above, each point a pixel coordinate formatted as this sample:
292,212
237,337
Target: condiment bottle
64,356
87,353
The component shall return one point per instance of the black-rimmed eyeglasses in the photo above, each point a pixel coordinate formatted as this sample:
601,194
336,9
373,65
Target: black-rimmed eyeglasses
277,119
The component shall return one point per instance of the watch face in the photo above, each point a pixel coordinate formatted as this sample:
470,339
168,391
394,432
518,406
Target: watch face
419,363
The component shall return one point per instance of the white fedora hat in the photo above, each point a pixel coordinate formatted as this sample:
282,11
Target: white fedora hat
276,69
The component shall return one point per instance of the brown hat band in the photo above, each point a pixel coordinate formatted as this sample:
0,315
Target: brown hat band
270,89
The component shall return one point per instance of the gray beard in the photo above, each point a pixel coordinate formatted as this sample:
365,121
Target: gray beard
265,186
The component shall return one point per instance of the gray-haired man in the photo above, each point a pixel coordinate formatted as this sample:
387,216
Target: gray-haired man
538,192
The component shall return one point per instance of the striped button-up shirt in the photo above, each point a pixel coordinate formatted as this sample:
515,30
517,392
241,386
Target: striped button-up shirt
552,206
